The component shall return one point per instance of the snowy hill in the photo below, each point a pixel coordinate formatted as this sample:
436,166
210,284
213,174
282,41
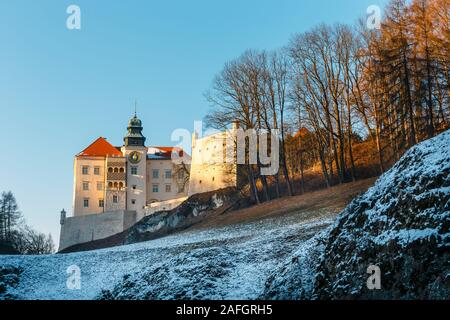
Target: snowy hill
224,263
400,225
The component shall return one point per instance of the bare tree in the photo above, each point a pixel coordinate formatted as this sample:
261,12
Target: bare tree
30,241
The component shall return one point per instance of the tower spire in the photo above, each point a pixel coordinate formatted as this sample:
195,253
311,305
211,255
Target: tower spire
134,136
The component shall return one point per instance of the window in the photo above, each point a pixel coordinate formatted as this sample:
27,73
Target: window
115,199
86,203
155,174
110,184
85,186
155,188
168,174
101,203
181,189
97,171
85,170
168,188
122,170
99,186
110,170
134,170
181,175
116,170
120,185
133,201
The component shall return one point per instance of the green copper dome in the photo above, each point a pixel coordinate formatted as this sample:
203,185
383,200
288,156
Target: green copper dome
135,122
134,136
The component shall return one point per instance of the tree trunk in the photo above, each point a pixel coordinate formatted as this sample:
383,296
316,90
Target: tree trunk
251,178
412,130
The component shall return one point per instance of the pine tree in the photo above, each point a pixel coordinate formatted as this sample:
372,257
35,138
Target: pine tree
10,215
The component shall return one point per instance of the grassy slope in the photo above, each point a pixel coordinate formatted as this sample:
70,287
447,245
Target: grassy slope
334,199
330,200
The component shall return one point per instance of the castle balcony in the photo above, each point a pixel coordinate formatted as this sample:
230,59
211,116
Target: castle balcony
116,176
123,189
116,186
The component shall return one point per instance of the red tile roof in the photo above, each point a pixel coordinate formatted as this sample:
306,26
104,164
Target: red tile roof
100,148
165,152
169,149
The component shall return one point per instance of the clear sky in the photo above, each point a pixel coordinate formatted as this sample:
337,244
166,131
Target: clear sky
60,89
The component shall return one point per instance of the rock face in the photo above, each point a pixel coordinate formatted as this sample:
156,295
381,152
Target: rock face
159,224
400,225
9,278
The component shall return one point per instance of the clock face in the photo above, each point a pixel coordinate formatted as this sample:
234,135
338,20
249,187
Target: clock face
134,157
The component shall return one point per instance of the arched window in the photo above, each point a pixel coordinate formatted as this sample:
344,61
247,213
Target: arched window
120,184
116,169
115,185
122,170
110,169
110,184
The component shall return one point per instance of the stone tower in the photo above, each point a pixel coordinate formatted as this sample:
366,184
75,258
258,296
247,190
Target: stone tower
135,152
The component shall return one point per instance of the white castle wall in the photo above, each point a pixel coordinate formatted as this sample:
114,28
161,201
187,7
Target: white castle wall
161,181
81,229
138,195
93,194
213,164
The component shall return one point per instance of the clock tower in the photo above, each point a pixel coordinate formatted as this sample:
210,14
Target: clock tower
135,152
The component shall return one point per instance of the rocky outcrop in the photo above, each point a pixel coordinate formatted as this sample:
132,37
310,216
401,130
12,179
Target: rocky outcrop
400,225
9,278
190,212
159,224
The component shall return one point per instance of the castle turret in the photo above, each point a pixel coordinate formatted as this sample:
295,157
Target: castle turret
134,136
135,151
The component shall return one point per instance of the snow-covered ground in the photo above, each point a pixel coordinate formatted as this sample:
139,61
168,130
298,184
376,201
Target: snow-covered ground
400,225
232,262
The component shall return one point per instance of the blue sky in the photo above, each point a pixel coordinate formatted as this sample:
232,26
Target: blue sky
60,89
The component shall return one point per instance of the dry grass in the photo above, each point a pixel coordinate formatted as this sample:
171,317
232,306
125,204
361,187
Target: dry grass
333,199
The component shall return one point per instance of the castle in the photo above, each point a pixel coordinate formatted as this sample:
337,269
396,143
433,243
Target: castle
114,187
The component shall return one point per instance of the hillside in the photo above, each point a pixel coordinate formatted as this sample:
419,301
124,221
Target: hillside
401,225
290,250
222,208
226,256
